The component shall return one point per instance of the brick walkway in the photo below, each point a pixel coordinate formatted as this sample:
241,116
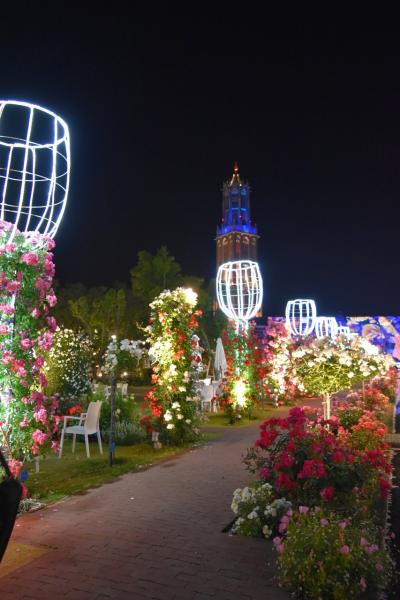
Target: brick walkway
155,534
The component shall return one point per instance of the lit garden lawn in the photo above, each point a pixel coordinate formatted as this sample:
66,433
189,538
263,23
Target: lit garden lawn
221,419
75,473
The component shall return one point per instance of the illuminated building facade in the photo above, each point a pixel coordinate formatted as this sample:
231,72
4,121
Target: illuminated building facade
236,236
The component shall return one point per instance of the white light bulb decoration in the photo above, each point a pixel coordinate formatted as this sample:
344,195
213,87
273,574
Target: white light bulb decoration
34,168
239,290
300,316
326,327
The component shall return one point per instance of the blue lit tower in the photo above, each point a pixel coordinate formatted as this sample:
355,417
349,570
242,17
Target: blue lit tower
236,236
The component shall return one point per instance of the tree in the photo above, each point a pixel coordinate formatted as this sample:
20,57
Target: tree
102,316
151,276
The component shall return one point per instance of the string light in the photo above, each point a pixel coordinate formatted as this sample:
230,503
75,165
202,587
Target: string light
301,316
239,290
34,168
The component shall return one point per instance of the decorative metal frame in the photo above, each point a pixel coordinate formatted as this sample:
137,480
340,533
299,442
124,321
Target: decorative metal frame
239,290
34,168
301,316
326,327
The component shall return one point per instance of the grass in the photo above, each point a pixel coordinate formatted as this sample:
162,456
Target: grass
75,474
221,420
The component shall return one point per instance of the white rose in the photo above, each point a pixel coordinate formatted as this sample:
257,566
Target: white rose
179,416
170,426
188,421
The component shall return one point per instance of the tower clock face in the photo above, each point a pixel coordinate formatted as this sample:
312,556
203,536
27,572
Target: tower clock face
234,190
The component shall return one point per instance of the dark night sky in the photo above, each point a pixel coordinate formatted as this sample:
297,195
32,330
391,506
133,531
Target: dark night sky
160,105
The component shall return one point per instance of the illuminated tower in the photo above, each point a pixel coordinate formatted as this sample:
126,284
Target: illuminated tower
236,236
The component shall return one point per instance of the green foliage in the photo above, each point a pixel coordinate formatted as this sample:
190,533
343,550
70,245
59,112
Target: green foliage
67,367
324,556
151,275
27,419
243,388
174,357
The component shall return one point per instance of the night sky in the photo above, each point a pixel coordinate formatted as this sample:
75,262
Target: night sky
160,105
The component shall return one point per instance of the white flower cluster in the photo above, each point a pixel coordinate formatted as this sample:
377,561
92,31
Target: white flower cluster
257,512
67,362
111,357
174,414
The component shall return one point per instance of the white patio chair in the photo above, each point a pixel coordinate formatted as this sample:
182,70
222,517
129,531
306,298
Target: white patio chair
207,394
88,423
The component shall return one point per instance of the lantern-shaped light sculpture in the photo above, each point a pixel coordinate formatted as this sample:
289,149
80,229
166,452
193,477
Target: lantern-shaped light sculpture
34,168
301,316
239,290
326,327
344,330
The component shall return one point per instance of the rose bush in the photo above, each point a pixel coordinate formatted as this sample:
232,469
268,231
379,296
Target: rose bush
28,422
323,555
176,361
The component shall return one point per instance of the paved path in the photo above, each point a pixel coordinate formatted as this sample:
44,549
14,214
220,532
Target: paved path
153,534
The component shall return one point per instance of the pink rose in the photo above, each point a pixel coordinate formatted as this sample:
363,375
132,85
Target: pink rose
24,422
303,510
40,415
39,437
344,549
26,344
3,329
51,299
52,323
35,313
30,258
39,362
13,286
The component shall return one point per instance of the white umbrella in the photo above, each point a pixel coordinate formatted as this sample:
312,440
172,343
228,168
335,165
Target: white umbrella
220,360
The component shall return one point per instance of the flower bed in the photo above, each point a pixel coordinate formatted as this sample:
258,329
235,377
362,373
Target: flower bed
336,476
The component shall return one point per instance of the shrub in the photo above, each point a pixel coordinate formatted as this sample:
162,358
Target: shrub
126,433
325,556
257,509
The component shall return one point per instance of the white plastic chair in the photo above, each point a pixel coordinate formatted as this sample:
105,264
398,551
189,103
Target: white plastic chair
207,394
88,423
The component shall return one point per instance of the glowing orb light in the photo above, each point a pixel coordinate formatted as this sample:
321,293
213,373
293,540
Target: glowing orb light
239,290
34,168
344,330
301,316
326,327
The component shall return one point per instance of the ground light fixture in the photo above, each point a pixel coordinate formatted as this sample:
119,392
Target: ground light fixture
34,168
301,316
240,291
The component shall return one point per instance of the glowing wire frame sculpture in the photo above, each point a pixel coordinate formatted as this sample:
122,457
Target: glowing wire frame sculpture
301,316
34,168
344,330
326,327
239,290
